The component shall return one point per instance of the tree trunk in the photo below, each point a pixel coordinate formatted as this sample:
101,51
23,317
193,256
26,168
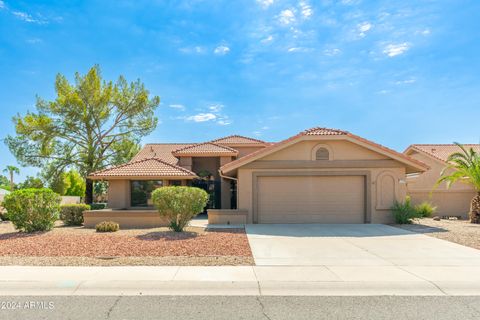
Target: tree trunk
11,181
88,191
475,209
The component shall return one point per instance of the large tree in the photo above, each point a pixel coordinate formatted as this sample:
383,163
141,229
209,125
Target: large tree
464,167
92,124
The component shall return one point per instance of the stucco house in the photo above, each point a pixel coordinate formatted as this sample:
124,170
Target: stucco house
320,175
454,201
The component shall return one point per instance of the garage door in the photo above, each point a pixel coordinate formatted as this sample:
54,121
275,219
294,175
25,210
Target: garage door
311,199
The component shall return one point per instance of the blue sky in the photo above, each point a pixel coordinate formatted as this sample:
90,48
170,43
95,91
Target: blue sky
396,72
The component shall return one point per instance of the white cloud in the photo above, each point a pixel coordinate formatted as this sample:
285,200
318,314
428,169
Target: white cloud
180,107
305,9
265,3
363,28
27,18
393,50
216,108
407,81
298,49
383,91
221,50
332,52
196,49
286,17
201,117
34,40
267,39
2,4
424,32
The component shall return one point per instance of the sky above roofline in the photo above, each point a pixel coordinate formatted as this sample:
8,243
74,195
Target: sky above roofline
394,72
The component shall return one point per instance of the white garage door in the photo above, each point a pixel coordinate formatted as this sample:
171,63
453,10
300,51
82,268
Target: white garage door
311,199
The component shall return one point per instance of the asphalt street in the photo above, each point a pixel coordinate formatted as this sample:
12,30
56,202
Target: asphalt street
235,307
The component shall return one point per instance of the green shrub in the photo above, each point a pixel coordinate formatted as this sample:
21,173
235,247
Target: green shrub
72,214
107,226
179,204
32,209
98,206
425,209
404,212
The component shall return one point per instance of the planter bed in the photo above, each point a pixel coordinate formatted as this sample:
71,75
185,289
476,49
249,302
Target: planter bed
154,246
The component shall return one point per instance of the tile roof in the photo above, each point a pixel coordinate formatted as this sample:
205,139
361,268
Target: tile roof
207,148
442,151
152,167
318,131
237,139
323,132
161,151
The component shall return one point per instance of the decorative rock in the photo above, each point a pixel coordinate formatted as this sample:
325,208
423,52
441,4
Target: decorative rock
436,218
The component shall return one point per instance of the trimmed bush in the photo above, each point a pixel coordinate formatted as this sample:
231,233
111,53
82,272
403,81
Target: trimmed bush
425,209
107,226
72,214
179,204
98,206
32,209
404,212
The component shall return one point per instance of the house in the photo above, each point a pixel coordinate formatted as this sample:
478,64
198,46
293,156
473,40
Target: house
454,201
320,175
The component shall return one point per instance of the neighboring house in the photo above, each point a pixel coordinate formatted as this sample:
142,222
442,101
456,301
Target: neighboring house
454,201
317,176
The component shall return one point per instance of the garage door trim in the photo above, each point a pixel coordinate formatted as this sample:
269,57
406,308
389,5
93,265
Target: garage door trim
365,174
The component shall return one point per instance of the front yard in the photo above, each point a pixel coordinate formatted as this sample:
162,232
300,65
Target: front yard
157,246
459,231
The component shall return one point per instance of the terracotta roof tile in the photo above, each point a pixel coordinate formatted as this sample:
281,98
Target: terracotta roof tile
205,148
323,132
152,167
237,139
442,151
161,151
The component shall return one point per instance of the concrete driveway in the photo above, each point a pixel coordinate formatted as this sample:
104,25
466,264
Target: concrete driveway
353,245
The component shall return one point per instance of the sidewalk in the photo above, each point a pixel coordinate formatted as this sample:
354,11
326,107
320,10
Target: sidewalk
243,280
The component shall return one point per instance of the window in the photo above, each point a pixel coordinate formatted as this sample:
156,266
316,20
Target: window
322,154
141,192
175,183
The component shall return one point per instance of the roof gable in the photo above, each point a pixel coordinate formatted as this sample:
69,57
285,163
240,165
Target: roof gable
440,152
237,140
205,149
152,168
317,132
161,151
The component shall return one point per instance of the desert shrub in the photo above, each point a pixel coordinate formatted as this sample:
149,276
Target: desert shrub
32,209
107,226
425,209
404,212
179,204
98,206
72,214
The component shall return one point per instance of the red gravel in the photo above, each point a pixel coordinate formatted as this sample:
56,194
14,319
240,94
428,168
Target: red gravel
225,242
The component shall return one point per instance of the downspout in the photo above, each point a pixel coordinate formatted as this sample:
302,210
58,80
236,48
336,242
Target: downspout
230,178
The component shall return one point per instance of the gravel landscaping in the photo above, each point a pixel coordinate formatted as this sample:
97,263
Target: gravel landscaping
459,231
155,246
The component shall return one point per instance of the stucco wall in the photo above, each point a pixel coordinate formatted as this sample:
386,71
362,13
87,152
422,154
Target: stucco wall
119,194
340,150
450,202
386,184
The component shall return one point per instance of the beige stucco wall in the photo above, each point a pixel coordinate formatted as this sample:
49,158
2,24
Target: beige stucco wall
125,218
340,150
454,201
386,184
118,194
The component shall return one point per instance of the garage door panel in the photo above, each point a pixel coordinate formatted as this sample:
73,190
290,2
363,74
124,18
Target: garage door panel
311,199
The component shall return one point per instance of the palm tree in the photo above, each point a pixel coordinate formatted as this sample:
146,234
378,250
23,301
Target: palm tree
464,167
11,170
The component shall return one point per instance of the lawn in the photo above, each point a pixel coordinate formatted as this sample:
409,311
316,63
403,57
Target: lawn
459,231
156,246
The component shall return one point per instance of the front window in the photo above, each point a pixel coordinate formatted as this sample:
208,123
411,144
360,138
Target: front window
141,192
